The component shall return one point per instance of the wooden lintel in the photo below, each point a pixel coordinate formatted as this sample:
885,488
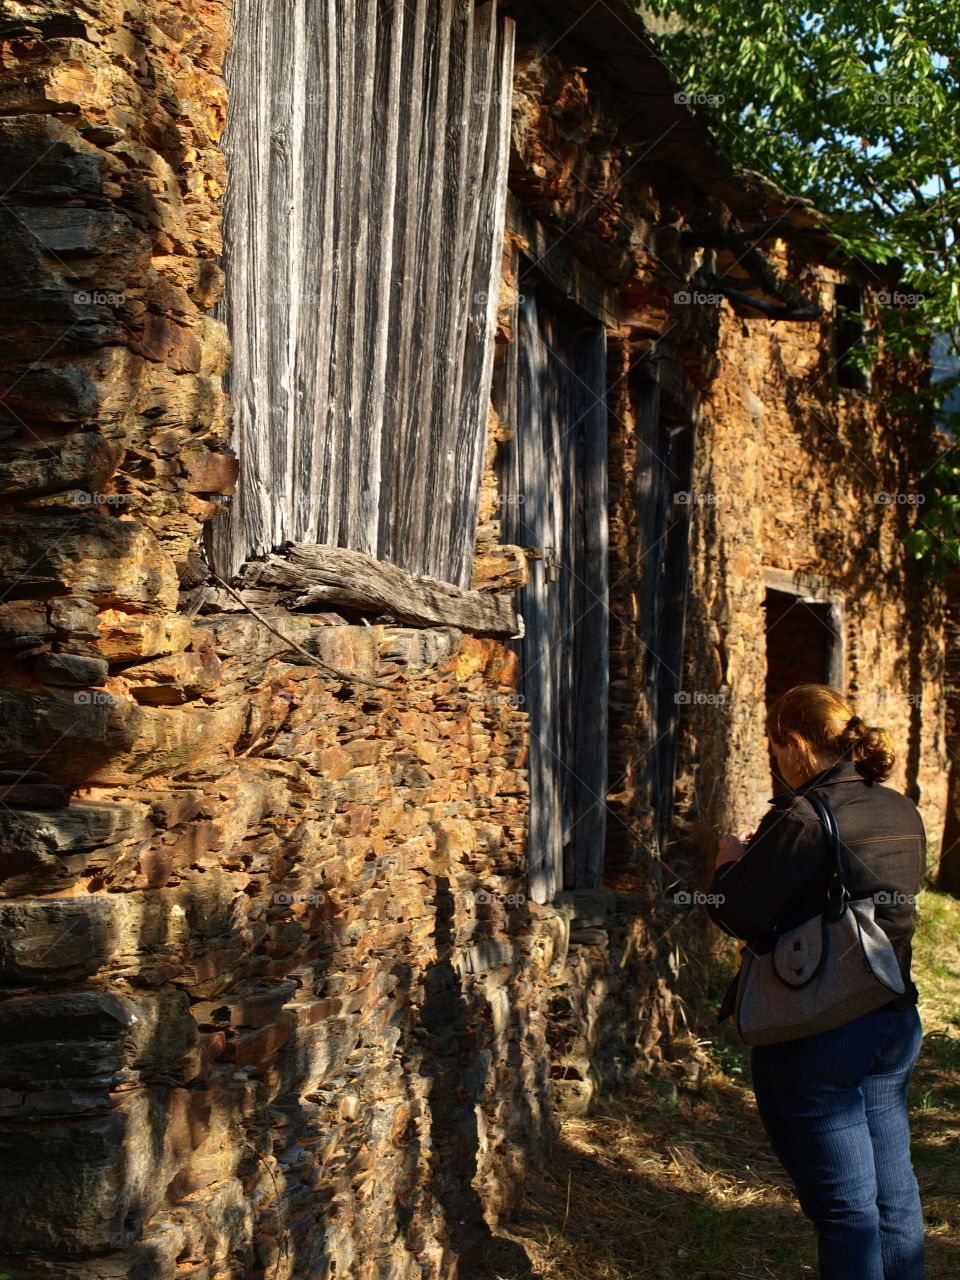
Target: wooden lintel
561,269
805,586
307,575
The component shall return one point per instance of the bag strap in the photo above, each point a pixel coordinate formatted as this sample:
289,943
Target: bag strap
837,892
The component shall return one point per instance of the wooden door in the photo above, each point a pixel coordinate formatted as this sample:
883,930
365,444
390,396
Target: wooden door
555,501
664,501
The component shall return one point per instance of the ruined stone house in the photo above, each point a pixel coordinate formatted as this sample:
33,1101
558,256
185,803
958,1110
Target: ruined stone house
370,692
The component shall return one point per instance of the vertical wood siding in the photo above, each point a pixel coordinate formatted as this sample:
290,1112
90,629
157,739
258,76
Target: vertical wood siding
367,144
555,481
664,502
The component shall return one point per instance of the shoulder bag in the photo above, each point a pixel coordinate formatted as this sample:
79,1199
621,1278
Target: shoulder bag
829,970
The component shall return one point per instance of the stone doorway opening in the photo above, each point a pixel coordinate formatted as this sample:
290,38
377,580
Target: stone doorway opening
804,641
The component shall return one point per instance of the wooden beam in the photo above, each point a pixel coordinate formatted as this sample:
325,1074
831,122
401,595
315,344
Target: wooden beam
561,269
307,575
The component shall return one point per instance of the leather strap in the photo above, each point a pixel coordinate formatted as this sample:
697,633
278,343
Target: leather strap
837,892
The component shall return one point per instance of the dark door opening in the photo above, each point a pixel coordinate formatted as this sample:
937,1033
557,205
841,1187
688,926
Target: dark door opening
802,646
663,491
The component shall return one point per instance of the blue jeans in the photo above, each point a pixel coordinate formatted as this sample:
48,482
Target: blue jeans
835,1108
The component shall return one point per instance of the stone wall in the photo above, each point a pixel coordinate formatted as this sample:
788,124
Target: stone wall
284,1009
788,469
273,1000
274,1003
110,240
819,483
248,998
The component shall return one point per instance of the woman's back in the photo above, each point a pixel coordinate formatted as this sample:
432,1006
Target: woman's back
782,877
833,1101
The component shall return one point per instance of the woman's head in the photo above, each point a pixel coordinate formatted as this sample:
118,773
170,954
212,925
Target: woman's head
812,727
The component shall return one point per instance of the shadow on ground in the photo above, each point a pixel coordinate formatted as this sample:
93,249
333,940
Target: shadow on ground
677,1183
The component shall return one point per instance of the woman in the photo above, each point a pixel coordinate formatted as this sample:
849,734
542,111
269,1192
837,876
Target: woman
834,1104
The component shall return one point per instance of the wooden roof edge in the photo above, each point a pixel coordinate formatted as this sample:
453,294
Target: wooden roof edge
611,39
620,55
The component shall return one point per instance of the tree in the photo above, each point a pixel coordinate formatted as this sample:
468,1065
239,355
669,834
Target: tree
857,107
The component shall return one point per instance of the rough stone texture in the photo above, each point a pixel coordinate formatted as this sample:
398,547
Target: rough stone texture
273,1001
800,477
303,965
107,560
108,253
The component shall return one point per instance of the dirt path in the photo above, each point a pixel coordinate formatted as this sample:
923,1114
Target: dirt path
676,1181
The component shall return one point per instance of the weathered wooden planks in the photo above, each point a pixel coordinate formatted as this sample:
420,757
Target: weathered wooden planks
367,145
553,394
664,407
309,575
491,124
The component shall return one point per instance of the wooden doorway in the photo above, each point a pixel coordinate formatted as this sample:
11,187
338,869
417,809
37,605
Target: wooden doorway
554,483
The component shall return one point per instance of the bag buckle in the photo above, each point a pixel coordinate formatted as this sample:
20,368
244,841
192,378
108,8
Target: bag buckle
837,898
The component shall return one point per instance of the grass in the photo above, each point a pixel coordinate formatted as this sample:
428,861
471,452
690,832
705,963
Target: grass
936,1084
675,1180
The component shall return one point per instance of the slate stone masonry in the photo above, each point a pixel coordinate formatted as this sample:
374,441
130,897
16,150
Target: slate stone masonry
273,1002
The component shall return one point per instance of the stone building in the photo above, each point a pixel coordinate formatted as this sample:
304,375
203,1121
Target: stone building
370,696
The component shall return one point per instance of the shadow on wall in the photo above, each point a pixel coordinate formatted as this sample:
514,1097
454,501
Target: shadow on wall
209,1061
454,1064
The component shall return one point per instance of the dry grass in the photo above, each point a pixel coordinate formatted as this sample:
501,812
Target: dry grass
935,1095
675,1181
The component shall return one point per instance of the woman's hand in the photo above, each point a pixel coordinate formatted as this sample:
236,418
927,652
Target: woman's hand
732,848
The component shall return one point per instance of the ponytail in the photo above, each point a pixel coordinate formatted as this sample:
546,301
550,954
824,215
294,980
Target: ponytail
869,747
827,725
